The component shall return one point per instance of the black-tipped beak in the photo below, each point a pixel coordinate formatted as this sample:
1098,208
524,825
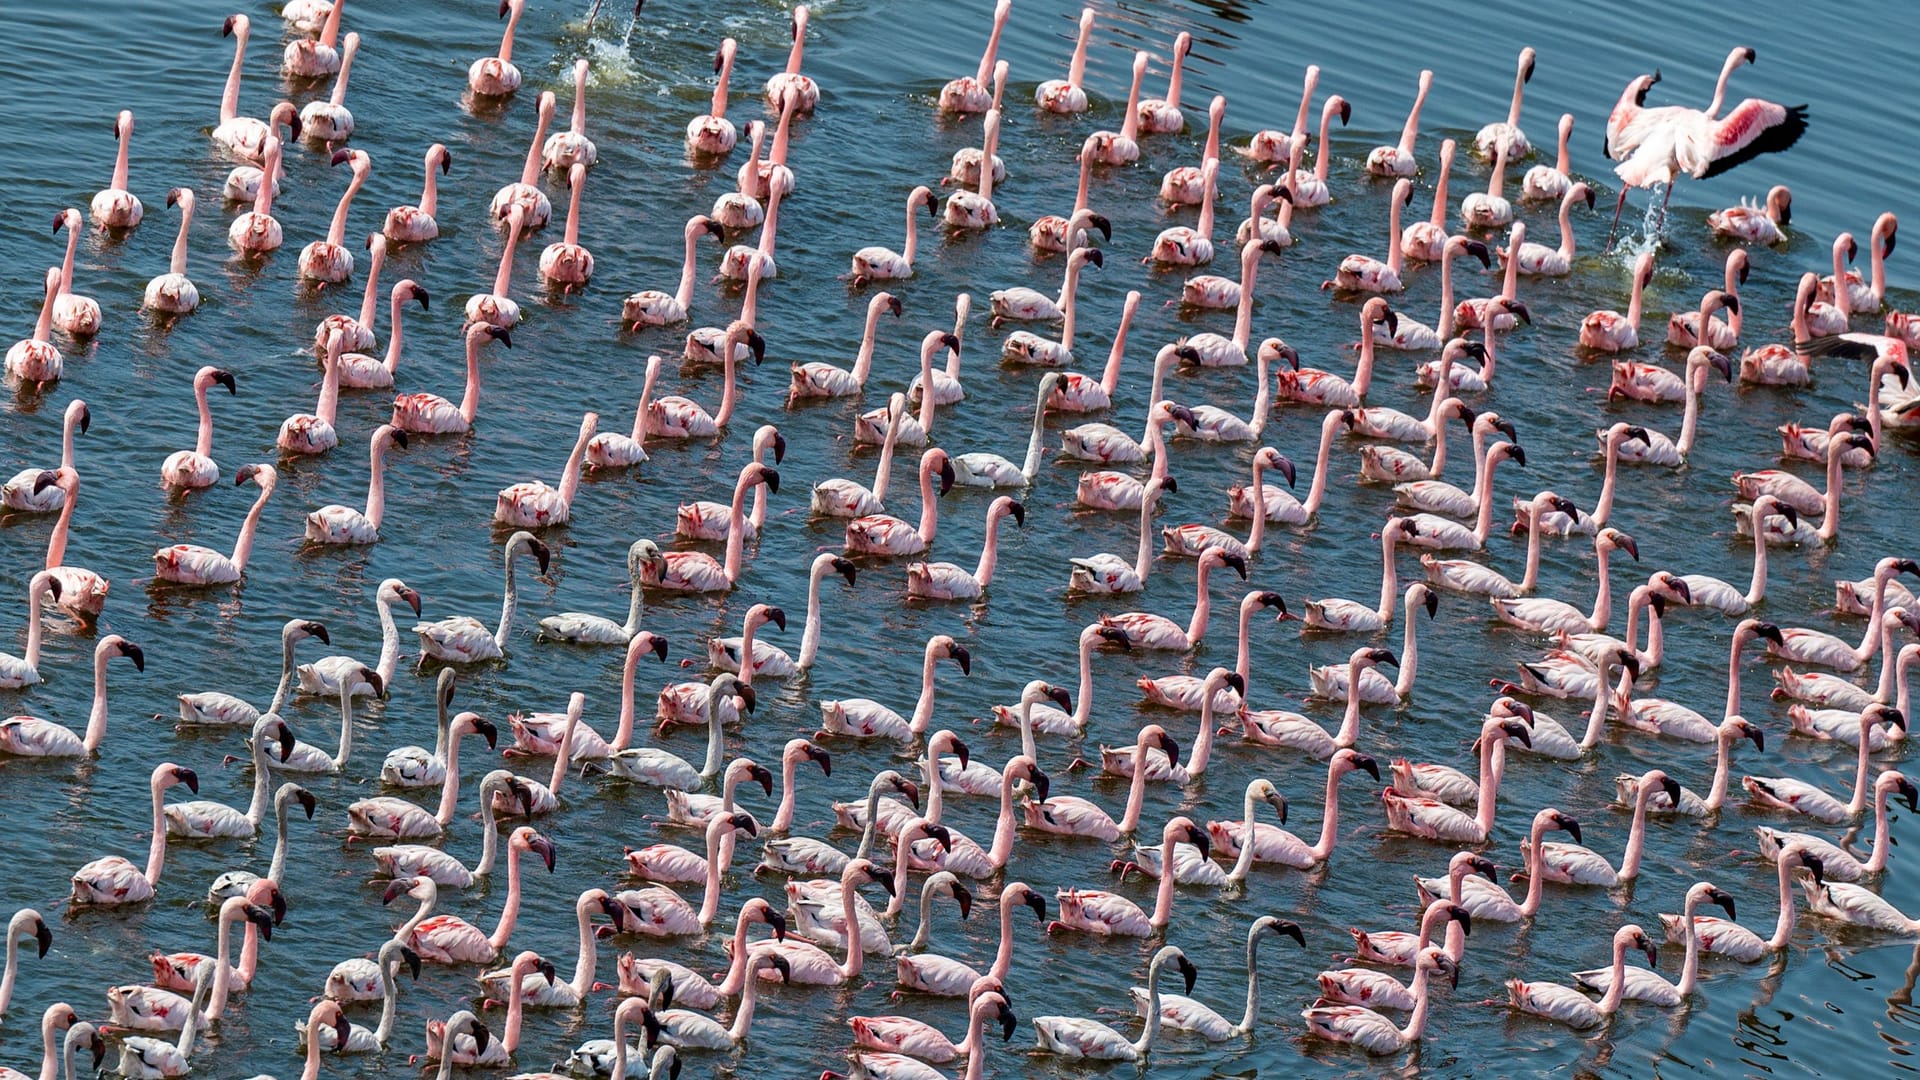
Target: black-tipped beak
1570,825
1188,353
43,938
1095,257
1044,784
1722,365
1117,636
1757,737
660,648
1285,465
1908,792
1238,563
395,890
262,919
340,156
1188,972
485,729
1517,730
779,448
1771,633
910,789
482,1038
134,653
543,847
1168,746
1367,765
1672,788
748,699
1485,868
1895,717
951,342
1815,866
1008,1022
760,773
1432,603
771,477
1039,905
308,804
44,481
824,759
885,882
1099,222
777,617
965,659
500,335
1238,683
286,742
543,554
1059,696
317,630
1198,838
846,569
1019,511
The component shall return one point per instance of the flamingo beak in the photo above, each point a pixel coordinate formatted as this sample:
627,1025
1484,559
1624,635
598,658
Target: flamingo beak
485,729
43,938
765,778
1039,905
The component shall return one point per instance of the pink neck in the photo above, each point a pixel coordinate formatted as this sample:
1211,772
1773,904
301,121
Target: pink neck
329,404
506,39
222,974
718,109
1783,930
570,478
1110,377
1412,131
503,278
1349,732
1636,835
1330,815
1202,607
203,445
856,955
57,542
989,552
509,914
230,96
1136,789
429,190
1439,218
1492,753
337,231
1003,960
1536,871
710,900
450,787
97,721
1163,901
377,484
470,397
120,161
243,546
736,535
583,966
1882,849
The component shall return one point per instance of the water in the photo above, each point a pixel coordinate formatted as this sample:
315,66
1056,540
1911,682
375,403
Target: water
1833,997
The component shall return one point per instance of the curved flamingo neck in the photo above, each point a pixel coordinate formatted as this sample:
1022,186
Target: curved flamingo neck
1330,814
1783,930
337,231
736,527
1136,789
222,954
506,39
328,404
243,545
489,835
1830,525
1322,157
1882,849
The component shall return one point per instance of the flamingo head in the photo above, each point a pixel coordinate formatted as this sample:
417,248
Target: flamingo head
1564,822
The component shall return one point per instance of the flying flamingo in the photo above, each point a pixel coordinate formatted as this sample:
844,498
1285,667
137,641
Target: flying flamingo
193,469
191,564
495,76
1398,160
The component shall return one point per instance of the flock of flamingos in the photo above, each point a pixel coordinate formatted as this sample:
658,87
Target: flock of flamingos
841,908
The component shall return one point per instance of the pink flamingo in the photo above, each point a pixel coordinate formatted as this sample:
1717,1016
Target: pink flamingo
498,308
172,293
1508,136
532,504
565,149
449,939
970,95
31,736
1068,95
1539,259
83,593
1610,331
1277,147
495,76
361,371
330,121
1756,223
75,315
336,524
1110,915
256,232
881,262
114,207
655,308
523,192
881,534
36,359
359,329
1162,116
1120,148
1398,160
243,181
313,433
315,58
431,414
415,224
946,581
194,469
329,261
1489,209
790,82
20,672
112,880
191,564
1544,182
244,136
1310,188
1367,274
712,133
566,263
1684,328
697,571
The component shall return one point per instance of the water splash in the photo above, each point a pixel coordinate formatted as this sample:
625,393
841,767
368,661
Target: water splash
610,64
1653,226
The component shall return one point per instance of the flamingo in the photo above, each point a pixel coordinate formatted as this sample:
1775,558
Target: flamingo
1756,223
946,581
1316,387
1837,863
1415,814
244,136
1507,136
532,504
1274,147
1026,347
1149,631
1069,95
1864,296
974,209
970,95
496,76
1425,241
567,263
463,639
1683,328
329,261
114,207
1310,188
1546,182
330,121
1566,1005
191,564
112,880
1539,259
1075,1037
712,134
1120,148
1799,797
37,359
1110,915
1161,116
1363,273
790,83
882,534
337,524
313,433
1374,1033
1545,614
1490,209
257,232
75,315
1724,937
1610,331
415,223
676,417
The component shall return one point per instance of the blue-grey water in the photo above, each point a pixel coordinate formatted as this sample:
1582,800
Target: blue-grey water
1834,1002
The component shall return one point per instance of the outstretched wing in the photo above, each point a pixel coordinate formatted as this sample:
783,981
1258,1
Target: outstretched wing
1754,127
